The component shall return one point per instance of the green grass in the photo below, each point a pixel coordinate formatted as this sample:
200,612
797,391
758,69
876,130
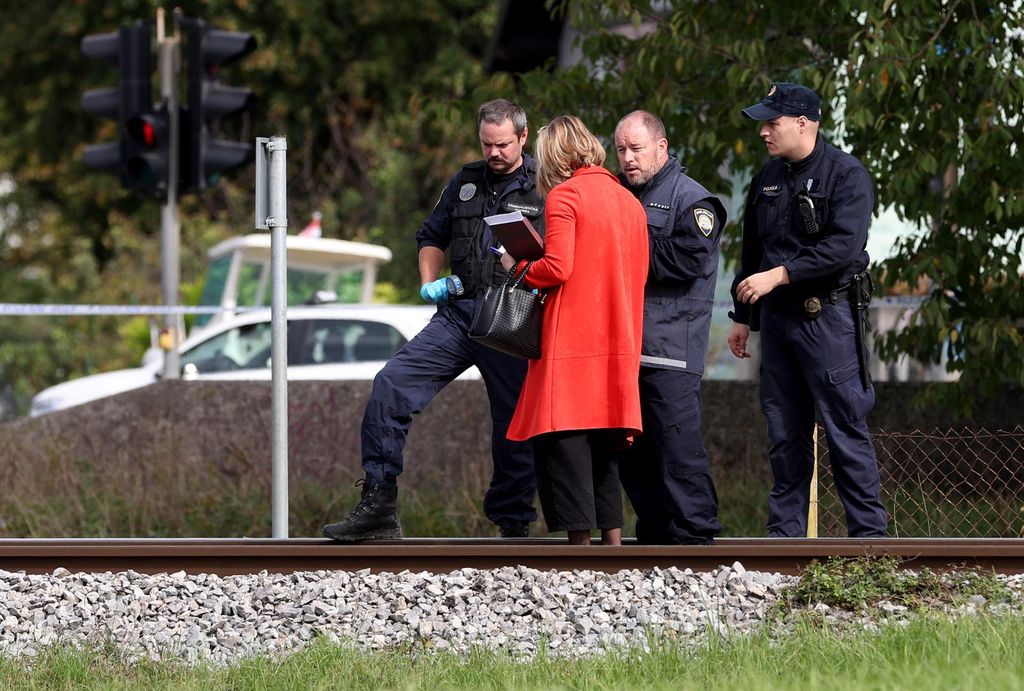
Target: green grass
975,652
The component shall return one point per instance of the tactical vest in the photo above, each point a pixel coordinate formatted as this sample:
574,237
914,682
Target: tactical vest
471,261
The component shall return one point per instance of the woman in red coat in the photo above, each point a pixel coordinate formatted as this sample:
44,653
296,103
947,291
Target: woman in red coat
580,401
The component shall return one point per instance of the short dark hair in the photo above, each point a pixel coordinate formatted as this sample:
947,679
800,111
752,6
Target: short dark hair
651,121
498,111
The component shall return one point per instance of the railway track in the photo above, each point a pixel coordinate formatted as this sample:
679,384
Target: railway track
441,555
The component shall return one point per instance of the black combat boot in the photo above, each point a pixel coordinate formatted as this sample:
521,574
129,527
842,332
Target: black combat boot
514,529
375,517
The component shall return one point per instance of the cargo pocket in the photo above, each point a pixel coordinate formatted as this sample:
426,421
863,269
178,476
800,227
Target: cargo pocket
847,396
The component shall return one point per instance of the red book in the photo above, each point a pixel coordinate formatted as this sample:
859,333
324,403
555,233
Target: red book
517,235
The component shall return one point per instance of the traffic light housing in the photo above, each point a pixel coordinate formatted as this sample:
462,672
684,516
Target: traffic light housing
205,156
140,156
147,161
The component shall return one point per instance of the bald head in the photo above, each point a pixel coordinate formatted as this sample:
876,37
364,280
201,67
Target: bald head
641,146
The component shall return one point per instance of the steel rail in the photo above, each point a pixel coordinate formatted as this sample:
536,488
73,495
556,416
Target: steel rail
441,555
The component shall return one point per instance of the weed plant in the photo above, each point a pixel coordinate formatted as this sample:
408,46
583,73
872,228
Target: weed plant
852,584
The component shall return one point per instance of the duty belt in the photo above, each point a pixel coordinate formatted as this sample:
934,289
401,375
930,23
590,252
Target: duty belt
812,305
858,293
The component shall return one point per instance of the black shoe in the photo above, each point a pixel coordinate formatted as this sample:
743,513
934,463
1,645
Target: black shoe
374,518
515,529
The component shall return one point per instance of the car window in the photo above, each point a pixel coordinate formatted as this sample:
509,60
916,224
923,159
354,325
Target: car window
243,347
349,340
311,342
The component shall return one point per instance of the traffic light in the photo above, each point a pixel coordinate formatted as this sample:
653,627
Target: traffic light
140,155
205,157
147,160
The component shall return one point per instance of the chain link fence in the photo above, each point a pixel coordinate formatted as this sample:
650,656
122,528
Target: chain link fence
953,483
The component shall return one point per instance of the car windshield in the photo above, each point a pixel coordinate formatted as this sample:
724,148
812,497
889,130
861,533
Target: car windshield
253,288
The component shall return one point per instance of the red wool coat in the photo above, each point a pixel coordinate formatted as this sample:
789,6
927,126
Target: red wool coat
594,268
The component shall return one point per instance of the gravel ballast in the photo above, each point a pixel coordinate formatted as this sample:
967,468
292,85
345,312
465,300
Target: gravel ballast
221,620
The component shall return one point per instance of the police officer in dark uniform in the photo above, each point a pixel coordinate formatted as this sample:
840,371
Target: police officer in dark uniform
666,472
803,282
504,181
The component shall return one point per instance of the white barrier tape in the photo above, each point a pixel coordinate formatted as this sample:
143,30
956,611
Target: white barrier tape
72,310
24,309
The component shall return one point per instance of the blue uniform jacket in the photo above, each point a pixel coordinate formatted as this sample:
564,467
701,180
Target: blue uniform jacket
684,222
773,234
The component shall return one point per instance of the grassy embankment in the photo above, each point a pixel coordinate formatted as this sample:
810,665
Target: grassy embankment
971,653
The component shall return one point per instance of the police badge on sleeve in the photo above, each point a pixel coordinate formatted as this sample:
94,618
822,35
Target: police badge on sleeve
705,220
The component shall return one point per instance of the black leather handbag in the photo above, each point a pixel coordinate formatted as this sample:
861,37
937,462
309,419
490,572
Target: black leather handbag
508,317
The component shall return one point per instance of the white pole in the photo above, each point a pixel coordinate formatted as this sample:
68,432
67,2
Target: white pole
277,147
170,223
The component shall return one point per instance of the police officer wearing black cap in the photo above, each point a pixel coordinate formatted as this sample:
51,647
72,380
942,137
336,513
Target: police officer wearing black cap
803,283
503,181
667,472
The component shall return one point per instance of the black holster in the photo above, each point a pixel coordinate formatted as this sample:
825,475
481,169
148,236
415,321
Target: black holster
861,287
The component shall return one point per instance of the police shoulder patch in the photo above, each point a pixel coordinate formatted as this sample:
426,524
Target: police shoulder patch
705,220
467,191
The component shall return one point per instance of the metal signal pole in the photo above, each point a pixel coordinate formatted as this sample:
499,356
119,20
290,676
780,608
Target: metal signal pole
168,64
272,215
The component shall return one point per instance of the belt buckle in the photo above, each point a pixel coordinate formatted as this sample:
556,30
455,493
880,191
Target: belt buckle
812,307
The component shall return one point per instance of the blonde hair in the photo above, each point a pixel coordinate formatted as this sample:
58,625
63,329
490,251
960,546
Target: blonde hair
563,146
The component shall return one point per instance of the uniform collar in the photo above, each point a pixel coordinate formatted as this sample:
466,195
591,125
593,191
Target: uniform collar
670,169
810,160
527,172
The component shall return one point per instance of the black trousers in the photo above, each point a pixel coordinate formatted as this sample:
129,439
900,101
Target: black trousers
809,364
578,479
416,373
667,473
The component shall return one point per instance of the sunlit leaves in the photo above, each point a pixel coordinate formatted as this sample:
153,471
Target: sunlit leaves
929,96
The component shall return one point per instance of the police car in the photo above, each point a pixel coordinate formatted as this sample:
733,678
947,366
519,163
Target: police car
325,342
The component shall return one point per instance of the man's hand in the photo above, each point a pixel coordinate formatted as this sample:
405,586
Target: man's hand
738,340
756,286
435,291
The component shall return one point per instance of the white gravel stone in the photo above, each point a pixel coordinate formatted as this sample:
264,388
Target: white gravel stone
208,618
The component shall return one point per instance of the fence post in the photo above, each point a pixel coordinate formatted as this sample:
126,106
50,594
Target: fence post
812,509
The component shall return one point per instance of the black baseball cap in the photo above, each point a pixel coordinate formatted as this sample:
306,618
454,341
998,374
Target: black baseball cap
786,99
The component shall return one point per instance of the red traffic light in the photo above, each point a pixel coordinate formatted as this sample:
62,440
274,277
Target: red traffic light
148,130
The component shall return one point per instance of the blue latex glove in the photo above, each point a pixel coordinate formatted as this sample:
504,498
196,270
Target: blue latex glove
435,291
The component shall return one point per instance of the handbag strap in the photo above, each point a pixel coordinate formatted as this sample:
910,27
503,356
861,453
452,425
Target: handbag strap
513,280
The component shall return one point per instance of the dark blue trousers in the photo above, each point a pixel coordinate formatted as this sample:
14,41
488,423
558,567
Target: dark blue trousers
666,473
807,364
416,373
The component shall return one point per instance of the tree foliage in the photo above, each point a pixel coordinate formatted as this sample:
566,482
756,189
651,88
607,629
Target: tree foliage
927,93
377,101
